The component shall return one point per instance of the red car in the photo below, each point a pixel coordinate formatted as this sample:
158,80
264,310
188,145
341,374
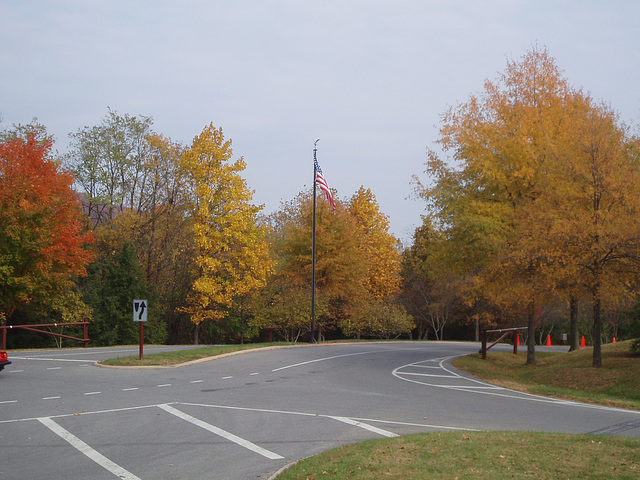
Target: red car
3,360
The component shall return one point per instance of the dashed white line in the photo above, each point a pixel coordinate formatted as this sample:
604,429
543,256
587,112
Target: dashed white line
196,381
93,393
164,385
224,434
9,401
130,389
54,368
51,398
252,374
85,449
16,371
226,378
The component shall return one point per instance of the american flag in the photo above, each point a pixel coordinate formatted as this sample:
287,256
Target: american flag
322,183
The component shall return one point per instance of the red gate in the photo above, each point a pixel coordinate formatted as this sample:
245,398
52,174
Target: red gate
36,328
505,332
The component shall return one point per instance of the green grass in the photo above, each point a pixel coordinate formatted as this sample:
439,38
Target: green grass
565,375
476,455
182,356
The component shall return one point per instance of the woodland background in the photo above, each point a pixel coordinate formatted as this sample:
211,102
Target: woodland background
532,218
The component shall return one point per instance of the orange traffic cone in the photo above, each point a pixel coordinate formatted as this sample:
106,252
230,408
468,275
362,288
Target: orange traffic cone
614,339
582,344
548,340
517,339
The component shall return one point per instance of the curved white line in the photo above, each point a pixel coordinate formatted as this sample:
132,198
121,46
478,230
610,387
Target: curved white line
330,358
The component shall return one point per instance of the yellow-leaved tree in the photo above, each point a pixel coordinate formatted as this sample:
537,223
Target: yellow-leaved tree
233,255
377,243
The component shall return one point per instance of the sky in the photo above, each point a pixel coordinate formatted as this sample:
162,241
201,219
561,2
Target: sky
370,79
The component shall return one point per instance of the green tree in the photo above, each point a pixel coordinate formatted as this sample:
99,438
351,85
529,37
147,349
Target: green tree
111,167
112,284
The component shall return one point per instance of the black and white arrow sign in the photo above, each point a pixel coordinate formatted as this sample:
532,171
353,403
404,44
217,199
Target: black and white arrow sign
139,310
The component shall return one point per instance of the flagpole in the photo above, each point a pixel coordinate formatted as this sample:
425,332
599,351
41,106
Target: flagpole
313,245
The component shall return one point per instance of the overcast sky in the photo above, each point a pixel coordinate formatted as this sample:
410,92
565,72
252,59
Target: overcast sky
370,78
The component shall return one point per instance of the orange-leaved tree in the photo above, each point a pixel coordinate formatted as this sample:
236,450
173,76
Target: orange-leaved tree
42,243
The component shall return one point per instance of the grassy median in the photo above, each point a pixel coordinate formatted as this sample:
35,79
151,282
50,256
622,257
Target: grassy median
476,455
178,357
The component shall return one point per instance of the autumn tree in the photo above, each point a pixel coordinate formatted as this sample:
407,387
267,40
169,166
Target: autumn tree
593,206
379,246
500,143
341,267
431,288
232,253
42,243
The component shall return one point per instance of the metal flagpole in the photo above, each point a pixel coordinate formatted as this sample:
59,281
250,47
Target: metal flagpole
313,245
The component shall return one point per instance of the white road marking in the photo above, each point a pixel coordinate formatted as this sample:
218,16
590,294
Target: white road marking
252,374
484,388
391,422
9,401
329,358
85,449
196,381
42,359
355,423
130,389
427,375
222,433
51,398
227,378
16,371
93,393
164,385
54,368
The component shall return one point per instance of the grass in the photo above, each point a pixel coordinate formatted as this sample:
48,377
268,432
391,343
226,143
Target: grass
565,375
165,359
476,455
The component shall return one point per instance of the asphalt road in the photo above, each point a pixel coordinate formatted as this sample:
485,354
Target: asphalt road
246,416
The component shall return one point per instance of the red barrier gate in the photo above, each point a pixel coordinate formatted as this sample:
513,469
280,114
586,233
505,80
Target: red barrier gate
36,328
505,332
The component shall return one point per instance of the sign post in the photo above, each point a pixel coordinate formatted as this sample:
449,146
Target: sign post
140,315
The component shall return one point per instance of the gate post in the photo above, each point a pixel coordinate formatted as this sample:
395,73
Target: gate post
483,336
85,331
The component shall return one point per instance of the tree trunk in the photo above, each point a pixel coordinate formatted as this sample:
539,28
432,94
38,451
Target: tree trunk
531,334
574,342
597,328
196,334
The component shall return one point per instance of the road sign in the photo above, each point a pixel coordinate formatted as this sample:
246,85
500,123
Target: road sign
140,310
